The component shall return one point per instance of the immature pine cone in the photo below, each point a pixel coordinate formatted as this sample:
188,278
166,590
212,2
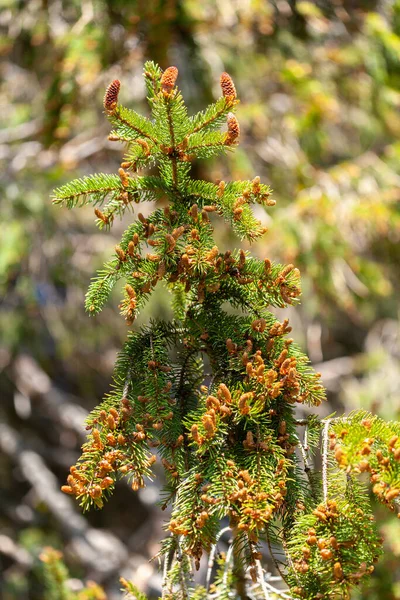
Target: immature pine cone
233,130
168,79
227,86
111,95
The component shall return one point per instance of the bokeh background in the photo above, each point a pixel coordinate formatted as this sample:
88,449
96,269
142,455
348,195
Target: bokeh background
319,84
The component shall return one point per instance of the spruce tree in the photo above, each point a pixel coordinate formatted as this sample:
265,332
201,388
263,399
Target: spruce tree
215,394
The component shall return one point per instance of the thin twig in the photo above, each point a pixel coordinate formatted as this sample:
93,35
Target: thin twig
264,581
227,563
211,558
213,377
325,459
167,563
179,557
307,469
167,566
289,559
182,396
172,156
184,589
305,441
260,577
238,572
276,563
304,456
275,590
125,391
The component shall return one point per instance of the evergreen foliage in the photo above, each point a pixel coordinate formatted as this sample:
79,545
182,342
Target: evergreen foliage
229,440
56,578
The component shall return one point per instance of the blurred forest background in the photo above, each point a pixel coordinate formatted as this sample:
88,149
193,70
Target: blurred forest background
319,84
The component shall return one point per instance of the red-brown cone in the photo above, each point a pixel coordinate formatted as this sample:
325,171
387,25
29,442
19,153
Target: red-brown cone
111,95
227,86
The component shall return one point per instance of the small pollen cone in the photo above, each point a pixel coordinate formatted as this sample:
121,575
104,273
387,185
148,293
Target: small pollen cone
233,129
111,95
227,86
168,79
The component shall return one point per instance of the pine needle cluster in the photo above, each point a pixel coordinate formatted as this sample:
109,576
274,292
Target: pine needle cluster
212,394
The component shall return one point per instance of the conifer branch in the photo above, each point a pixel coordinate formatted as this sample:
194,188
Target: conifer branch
212,394
213,117
131,125
93,189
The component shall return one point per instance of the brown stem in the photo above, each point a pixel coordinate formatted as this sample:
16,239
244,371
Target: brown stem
182,401
238,571
173,157
273,558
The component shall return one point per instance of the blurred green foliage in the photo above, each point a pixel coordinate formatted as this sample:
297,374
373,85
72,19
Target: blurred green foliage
319,84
